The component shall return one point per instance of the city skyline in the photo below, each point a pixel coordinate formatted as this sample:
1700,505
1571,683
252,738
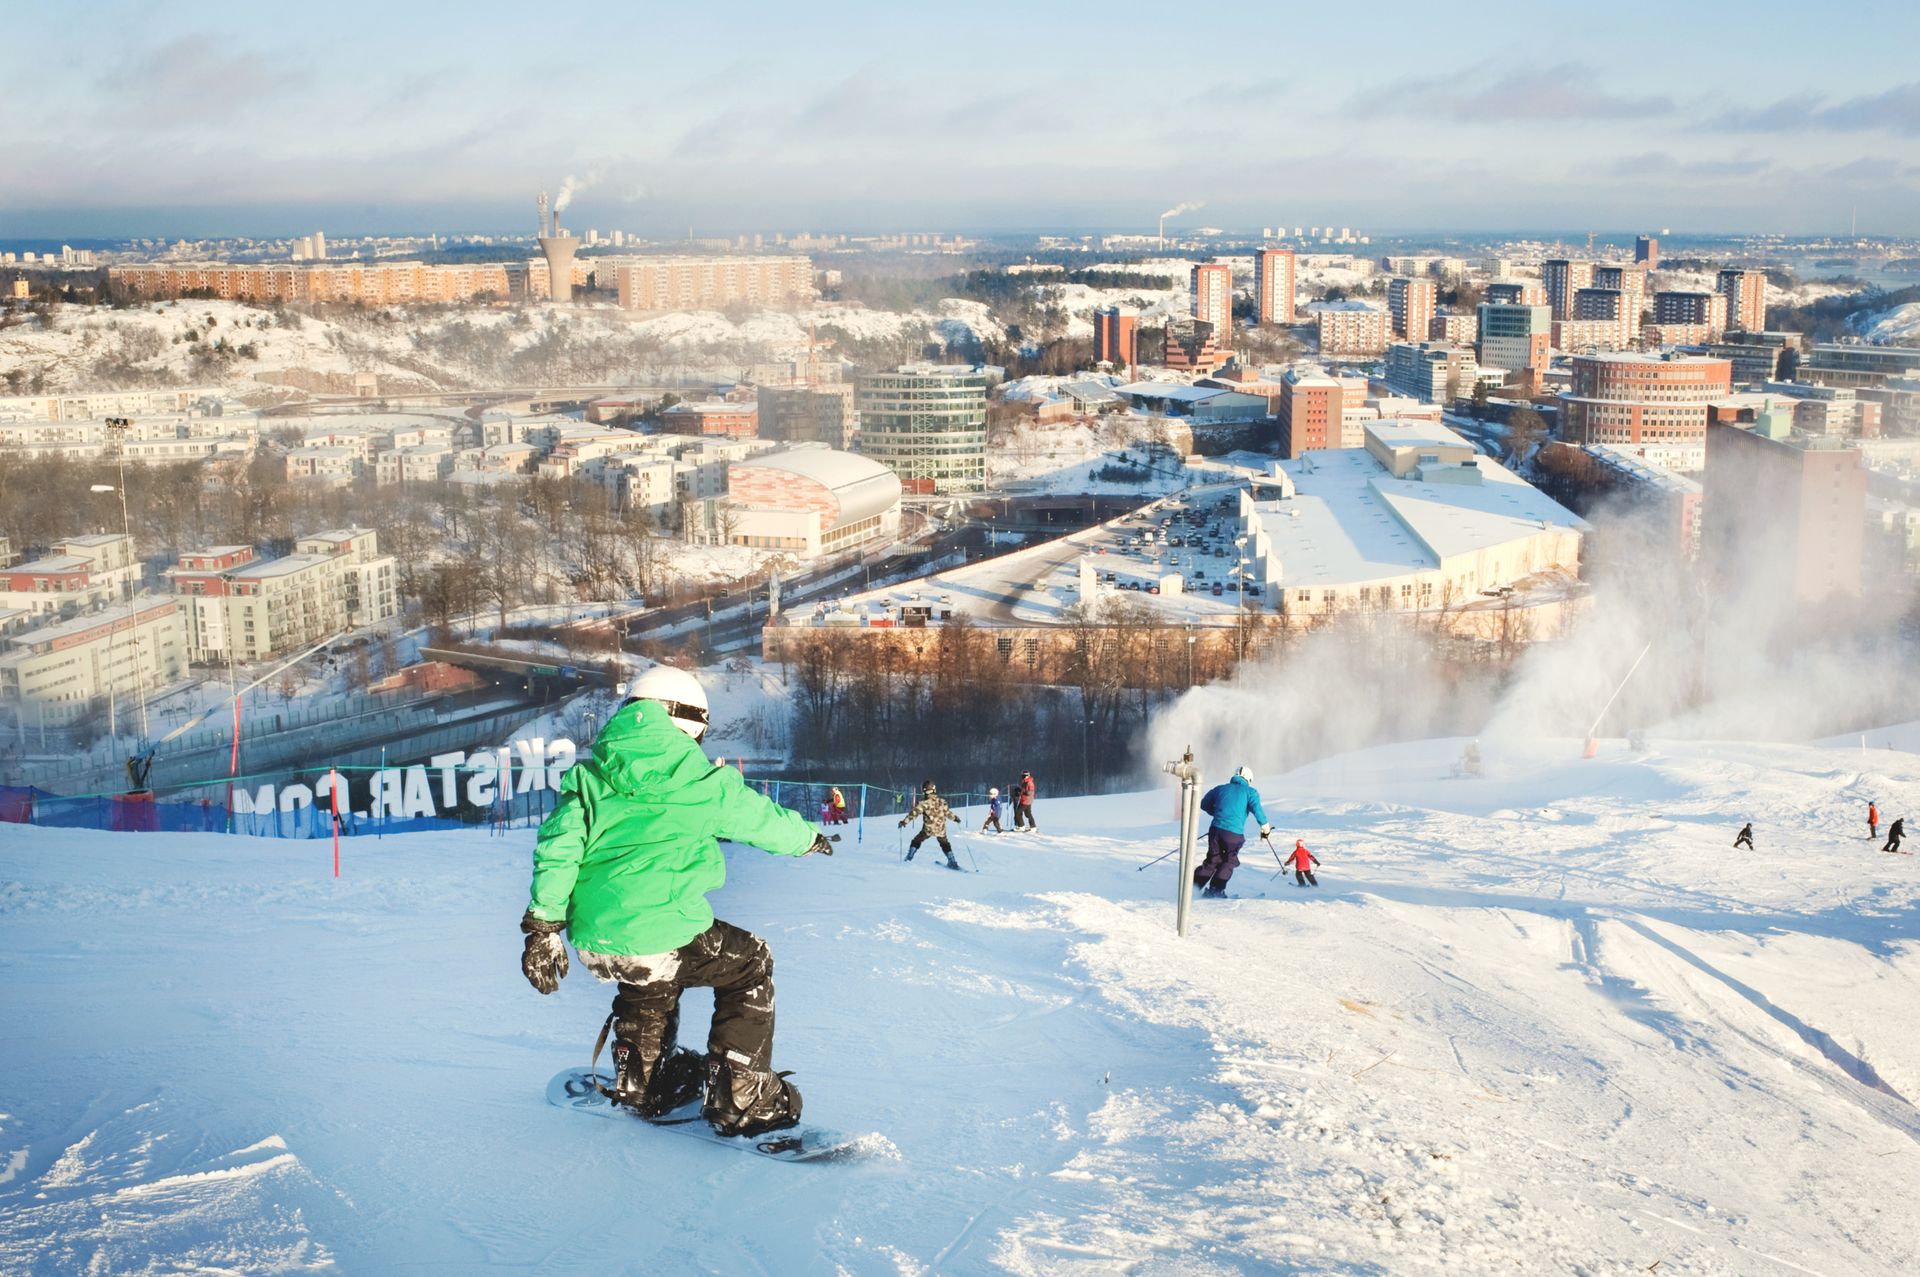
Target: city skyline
217,120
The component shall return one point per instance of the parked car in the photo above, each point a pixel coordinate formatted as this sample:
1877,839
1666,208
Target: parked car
1153,589
1218,589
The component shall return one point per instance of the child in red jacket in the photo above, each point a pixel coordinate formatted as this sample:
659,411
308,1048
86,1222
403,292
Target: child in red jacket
1301,859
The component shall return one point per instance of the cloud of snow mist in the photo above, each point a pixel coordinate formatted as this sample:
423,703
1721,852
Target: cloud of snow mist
1342,688
1738,659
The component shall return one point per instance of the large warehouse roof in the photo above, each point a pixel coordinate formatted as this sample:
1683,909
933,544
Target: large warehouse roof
860,486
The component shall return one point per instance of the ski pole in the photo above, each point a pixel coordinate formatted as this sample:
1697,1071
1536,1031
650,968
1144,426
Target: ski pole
1276,852
1157,859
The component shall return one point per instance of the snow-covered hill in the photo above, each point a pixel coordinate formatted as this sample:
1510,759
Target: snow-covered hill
1545,1021
1899,326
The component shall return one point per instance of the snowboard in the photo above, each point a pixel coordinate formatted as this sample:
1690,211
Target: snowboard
574,1089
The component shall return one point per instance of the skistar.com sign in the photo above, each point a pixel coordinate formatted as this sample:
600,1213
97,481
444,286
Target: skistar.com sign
445,785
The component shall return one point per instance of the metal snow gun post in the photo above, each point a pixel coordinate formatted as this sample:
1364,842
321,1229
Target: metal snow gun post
1189,822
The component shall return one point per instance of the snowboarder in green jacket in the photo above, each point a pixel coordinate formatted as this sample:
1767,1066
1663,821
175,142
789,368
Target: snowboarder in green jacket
623,865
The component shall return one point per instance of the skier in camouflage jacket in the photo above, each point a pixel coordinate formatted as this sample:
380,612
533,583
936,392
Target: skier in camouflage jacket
933,813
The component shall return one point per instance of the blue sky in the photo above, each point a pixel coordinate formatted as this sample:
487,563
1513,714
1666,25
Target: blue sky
212,118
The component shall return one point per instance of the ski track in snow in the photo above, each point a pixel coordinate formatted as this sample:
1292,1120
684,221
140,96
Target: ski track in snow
1545,1021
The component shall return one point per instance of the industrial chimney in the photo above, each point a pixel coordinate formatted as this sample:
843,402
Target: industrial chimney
558,249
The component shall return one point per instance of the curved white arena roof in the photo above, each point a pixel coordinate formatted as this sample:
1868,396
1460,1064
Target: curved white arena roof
860,486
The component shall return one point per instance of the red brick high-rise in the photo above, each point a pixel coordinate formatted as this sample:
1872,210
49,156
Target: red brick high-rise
1116,336
1311,411
1411,303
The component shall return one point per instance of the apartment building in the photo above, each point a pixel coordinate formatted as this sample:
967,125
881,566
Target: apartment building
59,673
1562,278
1745,293
1631,281
1312,413
1116,336
1660,404
81,574
1213,301
1431,372
1514,292
1785,517
1462,330
1351,328
240,606
1411,304
1273,286
1516,337
823,412
1691,307
706,283
722,419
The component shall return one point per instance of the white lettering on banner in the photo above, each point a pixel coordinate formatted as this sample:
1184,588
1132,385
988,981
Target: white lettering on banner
560,756
533,764
407,793
448,785
480,784
419,800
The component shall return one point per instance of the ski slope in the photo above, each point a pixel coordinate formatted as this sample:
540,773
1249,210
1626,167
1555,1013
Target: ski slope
1543,1021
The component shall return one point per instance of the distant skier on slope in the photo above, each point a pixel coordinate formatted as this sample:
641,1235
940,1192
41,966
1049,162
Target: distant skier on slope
1873,821
624,865
1745,837
1302,861
1895,832
1229,805
933,813
837,807
993,812
1023,804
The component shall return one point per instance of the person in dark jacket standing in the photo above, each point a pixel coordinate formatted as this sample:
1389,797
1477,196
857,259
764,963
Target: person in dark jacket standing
1895,832
1023,804
1745,837
1303,862
933,814
1229,805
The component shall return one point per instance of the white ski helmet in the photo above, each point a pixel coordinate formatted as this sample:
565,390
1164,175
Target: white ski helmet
679,691
993,793
1245,773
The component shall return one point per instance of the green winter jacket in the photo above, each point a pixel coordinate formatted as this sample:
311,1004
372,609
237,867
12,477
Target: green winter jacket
628,855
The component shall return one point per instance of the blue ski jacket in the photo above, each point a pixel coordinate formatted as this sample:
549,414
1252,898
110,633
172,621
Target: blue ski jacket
1229,804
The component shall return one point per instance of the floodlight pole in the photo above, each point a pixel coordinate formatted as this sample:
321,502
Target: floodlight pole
1189,823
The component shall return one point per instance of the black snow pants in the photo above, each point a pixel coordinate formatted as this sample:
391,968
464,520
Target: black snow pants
1743,841
1223,857
922,836
1305,878
1893,843
732,962
992,822
1023,814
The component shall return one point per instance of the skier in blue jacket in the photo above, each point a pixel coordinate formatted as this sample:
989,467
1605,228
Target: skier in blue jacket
1229,805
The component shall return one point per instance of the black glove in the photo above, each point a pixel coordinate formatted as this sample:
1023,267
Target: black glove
544,960
903,824
820,844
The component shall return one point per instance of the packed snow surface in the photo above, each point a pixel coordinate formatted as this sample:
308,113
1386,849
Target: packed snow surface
1542,1021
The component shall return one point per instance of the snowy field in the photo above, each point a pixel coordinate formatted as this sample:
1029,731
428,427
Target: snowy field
1546,1021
